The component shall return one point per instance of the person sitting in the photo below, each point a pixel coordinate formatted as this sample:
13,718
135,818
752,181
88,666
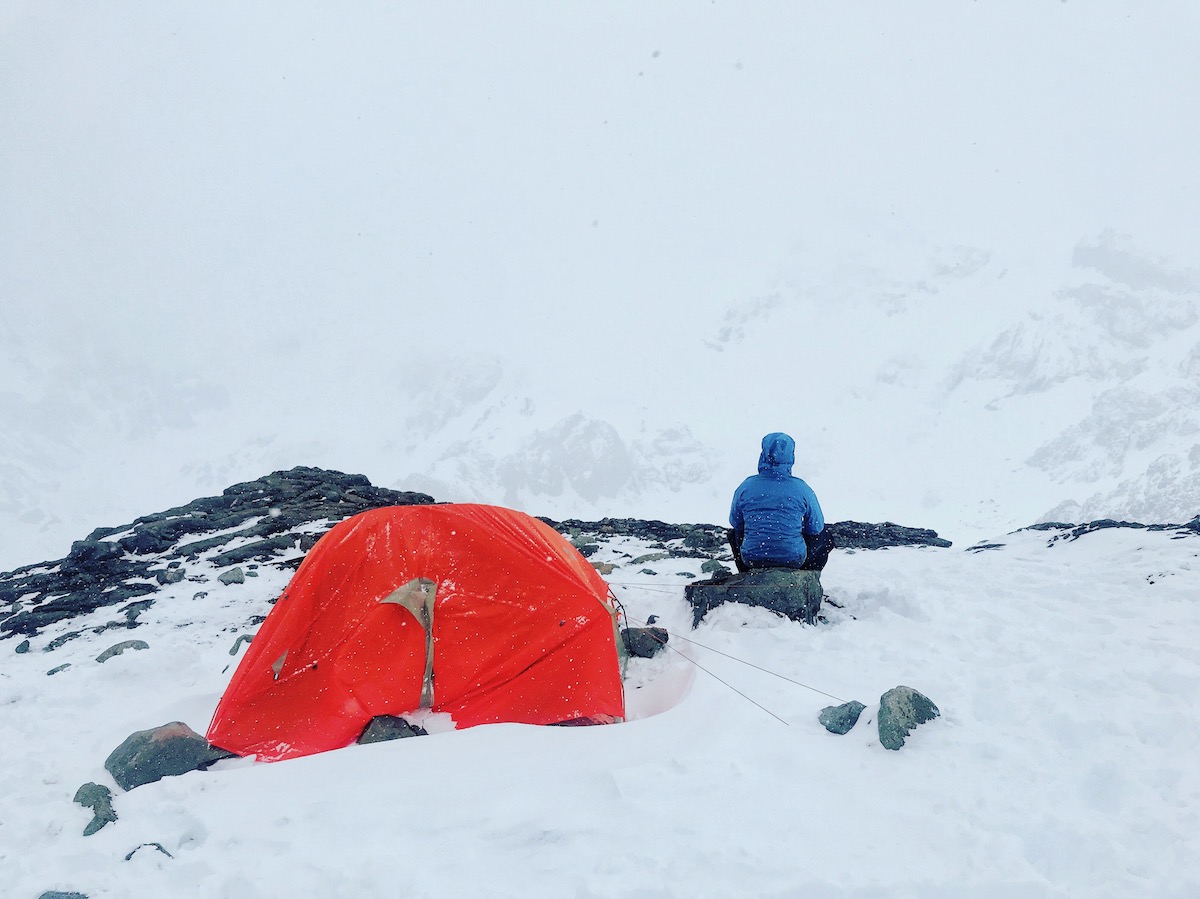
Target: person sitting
775,517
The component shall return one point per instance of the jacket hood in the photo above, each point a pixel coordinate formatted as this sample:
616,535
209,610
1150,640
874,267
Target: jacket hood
778,454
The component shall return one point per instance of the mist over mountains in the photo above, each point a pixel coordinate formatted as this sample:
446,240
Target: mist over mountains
578,261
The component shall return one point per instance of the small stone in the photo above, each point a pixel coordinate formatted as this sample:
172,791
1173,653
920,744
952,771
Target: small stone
170,576
712,565
650,557
120,648
156,846
839,719
99,799
900,710
62,667
604,567
59,894
244,638
644,642
23,646
233,576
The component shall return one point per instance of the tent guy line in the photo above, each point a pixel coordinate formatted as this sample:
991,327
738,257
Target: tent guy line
744,662
726,683
727,655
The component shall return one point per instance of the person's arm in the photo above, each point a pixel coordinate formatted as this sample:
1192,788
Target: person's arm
736,520
814,520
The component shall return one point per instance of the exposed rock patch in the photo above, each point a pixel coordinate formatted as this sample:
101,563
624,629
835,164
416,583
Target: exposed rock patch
115,565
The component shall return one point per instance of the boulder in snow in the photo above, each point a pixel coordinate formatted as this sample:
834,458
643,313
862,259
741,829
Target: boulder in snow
233,576
788,591
119,648
900,710
839,719
166,751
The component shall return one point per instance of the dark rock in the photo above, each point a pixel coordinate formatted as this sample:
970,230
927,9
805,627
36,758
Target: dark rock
59,894
233,576
88,554
156,846
262,550
788,591
861,535
134,609
840,719
62,640
644,642
119,648
99,799
1072,532
62,667
900,710
23,646
712,566
244,638
166,751
389,727
170,576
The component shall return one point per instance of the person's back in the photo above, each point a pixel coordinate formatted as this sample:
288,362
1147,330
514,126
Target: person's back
776,518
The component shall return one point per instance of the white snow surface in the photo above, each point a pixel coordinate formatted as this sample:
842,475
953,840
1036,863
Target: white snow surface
578,258
1062,765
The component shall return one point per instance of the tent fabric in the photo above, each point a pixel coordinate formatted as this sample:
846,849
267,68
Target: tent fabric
481,612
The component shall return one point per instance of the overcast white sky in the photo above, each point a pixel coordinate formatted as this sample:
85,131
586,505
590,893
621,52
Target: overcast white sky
264,209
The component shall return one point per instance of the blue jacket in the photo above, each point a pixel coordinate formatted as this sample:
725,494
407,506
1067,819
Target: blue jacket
773,510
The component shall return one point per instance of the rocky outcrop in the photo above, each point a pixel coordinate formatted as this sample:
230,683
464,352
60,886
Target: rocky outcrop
690,540
850,535
116,565
1062,531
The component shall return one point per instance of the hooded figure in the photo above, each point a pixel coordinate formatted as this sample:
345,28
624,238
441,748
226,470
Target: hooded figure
776,518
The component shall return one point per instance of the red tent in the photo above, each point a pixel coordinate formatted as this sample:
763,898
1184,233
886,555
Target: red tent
481,612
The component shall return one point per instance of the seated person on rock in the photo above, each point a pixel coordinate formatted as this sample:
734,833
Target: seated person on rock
777,521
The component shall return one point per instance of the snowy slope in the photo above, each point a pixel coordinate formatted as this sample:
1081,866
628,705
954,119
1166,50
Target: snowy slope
579,259
1065,670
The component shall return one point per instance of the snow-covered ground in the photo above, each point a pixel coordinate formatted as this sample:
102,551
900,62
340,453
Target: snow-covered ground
578,258
1067,674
